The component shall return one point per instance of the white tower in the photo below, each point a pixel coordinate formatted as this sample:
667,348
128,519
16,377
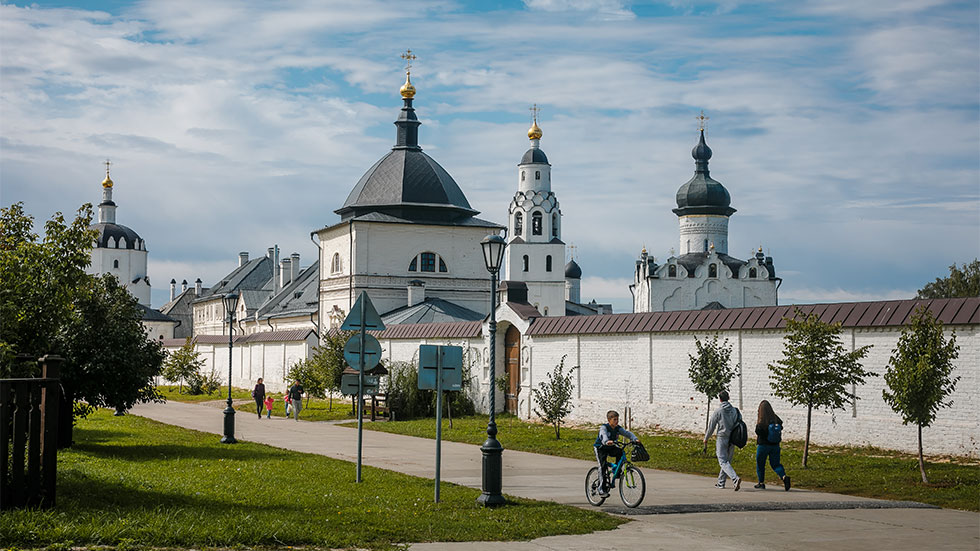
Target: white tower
535,252
119,250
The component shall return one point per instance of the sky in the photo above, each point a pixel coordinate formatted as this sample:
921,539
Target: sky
848,133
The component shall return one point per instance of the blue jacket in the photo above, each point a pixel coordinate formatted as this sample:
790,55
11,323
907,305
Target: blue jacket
606,433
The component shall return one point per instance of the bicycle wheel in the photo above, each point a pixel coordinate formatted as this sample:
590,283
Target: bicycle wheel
632,486
593,483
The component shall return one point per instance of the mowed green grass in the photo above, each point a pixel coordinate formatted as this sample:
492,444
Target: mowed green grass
314,409
130,481
868,472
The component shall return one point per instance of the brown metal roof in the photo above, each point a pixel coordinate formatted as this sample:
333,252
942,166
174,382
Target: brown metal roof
454,330
893,313
277,336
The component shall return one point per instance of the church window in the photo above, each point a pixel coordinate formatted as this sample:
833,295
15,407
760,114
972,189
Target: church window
442,265
526,260
335,264
537,174
712,270
546,310
554,225
752,273
523,173
413,266
518,224
672,270
705,245
428,262
115,264
547,263
536,223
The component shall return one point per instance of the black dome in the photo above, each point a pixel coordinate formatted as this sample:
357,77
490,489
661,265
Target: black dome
702,194
407,183
573,270
534,155
116,231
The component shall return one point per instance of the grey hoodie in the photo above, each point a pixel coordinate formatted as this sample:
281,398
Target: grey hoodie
723,419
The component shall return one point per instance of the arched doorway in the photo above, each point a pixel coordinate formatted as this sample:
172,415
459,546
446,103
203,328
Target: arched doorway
512,368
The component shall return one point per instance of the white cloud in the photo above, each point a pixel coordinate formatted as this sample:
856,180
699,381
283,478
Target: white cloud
603,9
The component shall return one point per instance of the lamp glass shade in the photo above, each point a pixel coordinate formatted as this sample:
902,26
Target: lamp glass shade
231,301
493,252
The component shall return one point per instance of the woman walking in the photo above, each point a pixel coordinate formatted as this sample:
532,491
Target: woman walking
259,394
769,430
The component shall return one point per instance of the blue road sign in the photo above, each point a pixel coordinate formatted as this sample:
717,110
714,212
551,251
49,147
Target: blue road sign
369,320
372,352
447,360
348,384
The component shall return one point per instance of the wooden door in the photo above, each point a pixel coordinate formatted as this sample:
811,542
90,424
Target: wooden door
512,367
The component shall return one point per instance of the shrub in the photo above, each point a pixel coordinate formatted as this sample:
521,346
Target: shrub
203,383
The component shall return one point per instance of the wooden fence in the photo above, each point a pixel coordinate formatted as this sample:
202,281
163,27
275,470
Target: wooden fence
29,438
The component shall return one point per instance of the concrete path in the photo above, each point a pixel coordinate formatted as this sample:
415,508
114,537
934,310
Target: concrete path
680,511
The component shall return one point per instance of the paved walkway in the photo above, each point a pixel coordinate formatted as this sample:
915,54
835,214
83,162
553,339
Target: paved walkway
680,511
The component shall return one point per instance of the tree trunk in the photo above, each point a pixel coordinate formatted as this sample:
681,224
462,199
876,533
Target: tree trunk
806,443
330,398
557,431
707,417
922,467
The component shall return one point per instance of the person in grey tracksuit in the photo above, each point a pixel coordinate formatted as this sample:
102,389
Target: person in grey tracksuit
724,419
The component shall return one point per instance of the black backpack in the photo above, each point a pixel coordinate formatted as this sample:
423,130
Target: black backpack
739,434
639,453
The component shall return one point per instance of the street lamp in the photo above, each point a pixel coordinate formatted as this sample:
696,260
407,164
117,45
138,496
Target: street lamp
231,302
493,255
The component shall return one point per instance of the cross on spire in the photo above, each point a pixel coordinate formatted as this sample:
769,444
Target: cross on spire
701,120
409,57
107,163
534,113
571,251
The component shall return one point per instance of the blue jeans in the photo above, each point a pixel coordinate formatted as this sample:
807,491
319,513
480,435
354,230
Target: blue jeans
772,452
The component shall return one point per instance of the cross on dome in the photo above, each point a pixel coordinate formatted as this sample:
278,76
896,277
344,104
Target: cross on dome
407,90
108,181
701,120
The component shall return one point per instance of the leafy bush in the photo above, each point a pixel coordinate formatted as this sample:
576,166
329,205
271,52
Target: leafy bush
408,402
203,383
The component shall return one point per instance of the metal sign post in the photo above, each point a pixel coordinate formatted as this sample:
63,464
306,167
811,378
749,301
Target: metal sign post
435,364
363,316
438,421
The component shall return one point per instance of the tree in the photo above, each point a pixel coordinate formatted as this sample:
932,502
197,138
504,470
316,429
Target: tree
182,364
329,357
309,374
710,370
39,281
554,397
960,283
816,369
110,361
919,373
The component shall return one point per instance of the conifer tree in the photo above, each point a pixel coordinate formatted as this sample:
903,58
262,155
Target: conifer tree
919,373
816,370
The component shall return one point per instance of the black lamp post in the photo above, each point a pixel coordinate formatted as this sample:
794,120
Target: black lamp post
231,302
493,255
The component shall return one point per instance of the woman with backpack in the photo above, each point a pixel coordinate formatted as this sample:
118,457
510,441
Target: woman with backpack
769,430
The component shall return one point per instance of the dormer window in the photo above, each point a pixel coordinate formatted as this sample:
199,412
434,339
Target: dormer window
536,223
672,270
752,273
518,224
712,270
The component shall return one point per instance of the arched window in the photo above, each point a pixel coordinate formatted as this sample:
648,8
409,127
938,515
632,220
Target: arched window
428,262
525,263
752,273
712,270
335,264
705,245
672,270
442,265
537,174
554,225
518,224
523,173
413,266
536,223
115,264
547,263
545,312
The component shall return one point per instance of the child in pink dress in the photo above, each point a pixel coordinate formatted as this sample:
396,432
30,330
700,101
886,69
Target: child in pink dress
269,402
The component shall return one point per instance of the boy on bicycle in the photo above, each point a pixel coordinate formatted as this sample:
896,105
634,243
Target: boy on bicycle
605,445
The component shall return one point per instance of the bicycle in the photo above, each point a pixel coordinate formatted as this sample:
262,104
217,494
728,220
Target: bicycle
632,485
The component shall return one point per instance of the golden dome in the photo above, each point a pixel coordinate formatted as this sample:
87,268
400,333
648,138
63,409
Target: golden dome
407,90
108,181
534,133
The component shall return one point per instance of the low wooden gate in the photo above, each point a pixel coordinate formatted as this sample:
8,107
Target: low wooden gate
29,438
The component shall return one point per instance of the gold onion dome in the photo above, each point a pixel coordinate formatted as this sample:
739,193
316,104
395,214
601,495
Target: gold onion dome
108,181
407,90
534,133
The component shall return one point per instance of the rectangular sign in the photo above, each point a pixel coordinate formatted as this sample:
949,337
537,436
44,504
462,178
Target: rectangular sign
435,359
348,384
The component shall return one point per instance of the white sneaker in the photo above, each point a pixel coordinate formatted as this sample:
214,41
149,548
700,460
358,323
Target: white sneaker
738,483
719,485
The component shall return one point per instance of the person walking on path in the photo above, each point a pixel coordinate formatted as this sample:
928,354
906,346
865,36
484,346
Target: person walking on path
296,399
258,393
269,402
769,430
724,419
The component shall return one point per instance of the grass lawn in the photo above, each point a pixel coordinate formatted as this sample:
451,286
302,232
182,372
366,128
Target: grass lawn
867,472
315,409
131,482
